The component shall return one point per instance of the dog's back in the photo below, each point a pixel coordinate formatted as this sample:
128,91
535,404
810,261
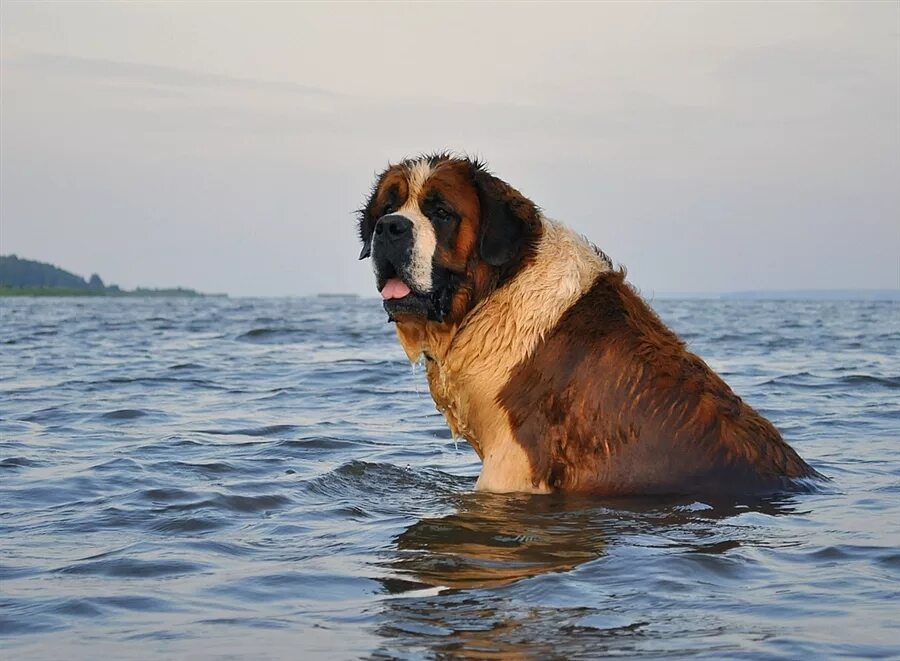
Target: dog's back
612,402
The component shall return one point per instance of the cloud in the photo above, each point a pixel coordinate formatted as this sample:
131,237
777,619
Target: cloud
105,70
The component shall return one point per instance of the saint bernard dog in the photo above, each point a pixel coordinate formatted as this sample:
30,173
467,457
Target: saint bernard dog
542,357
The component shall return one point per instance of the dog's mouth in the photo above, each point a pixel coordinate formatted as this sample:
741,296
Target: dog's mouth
399,298
395,289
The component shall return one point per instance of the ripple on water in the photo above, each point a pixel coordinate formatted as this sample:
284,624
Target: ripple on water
13,463
321,587
124,414
234,503
302,447
191,525
187,366
267,430
211,469
867,380
133,568
274,335
380,479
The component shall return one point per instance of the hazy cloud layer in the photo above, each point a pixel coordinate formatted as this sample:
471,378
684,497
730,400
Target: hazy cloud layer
224,147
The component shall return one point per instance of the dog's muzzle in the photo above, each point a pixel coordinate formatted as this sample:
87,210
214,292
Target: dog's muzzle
393,239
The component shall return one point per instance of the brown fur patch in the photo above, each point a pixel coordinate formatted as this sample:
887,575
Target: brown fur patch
611,402
391,188
452,182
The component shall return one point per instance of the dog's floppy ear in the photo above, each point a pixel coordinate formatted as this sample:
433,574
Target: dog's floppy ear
367,247
509,220
365,217
365,229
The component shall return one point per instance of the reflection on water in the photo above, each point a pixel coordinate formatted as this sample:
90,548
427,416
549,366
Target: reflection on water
493,540
448,599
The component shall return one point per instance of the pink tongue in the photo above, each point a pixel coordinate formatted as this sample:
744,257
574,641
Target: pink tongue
394,288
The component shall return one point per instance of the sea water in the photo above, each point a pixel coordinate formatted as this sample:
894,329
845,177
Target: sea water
268,478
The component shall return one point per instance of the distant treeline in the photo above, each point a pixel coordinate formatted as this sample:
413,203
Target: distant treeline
27,277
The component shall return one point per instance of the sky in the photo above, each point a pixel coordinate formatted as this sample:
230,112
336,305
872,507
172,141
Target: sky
708,147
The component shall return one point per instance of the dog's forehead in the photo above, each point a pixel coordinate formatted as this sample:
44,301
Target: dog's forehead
449,179
411,183
421,174
418,174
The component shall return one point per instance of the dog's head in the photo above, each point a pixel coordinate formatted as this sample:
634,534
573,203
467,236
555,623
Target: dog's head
443,233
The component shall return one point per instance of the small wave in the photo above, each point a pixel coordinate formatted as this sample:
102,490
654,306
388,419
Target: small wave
251,504
119,464
868,380
735,337
187,366
19,462
251,622
207,469
77,608
108,518
33,623
891,561
269,430
189,525
138,603
124,414
716,568
384,479
293,585
844,552
8,572
52,414
310,443
232,503
155,381
93,607
221,548
795,379
167,495
273,335
807,380
134,568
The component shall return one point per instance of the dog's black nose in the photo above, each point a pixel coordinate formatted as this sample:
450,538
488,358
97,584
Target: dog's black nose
394,227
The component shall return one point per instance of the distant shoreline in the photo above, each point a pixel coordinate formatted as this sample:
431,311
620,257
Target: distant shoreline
28,277
6,291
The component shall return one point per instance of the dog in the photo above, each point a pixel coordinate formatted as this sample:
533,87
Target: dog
542,357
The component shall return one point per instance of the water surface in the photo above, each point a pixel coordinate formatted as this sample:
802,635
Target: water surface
269,478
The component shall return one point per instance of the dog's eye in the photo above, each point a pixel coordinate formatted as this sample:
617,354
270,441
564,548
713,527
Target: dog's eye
442,214
388,208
